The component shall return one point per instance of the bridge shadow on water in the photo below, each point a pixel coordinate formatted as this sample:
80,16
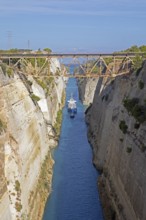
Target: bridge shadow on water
74,188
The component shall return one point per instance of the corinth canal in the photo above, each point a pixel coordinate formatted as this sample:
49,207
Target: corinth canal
74,189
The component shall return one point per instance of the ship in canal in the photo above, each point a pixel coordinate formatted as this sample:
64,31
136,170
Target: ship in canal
72,107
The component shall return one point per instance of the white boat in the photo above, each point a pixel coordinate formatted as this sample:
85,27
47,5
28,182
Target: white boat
72,107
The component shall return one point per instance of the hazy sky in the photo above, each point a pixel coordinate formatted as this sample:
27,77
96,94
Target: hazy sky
72,25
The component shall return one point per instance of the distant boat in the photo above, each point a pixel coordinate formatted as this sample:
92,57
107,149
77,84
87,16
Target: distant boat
72,107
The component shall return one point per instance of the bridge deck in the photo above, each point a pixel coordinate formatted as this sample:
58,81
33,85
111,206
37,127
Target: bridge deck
67,55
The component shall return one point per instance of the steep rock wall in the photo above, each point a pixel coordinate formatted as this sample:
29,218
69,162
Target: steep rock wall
117,132
86,89
27,115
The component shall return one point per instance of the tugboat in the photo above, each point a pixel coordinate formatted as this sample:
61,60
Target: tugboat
72,108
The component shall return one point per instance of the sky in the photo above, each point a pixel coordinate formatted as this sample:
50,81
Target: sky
72,25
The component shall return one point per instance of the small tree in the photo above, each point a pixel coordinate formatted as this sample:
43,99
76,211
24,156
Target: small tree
137,62
48,50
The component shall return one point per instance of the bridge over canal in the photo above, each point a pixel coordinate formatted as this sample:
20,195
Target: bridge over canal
91,64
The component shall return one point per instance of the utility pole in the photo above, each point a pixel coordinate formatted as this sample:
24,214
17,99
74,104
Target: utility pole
28,44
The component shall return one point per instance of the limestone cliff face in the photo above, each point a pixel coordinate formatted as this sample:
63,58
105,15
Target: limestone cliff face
87,89
28,111
117,132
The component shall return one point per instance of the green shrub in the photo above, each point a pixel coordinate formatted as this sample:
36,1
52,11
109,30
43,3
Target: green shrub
24,216
136,110
129,149
123,127
57,125
139,113
13,194
48,50
138,71
49,80
59,116
141,84
120,207
17,186
103,97
143,148
106,97
29,82
46,185
121,139
41,83
136,125
137,62
112,82
35,98
129,104
31,60
108,60
39,62
4,67
2,126
9,72
18,206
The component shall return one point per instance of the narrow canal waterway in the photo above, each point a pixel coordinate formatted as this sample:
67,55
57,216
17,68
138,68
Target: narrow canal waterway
74,195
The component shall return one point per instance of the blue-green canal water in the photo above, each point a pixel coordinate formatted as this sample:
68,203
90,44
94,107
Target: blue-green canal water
74,189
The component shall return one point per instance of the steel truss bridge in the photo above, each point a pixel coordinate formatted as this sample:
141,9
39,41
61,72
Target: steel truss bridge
91,64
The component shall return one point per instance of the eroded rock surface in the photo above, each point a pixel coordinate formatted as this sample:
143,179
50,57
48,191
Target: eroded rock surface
28,112
117,133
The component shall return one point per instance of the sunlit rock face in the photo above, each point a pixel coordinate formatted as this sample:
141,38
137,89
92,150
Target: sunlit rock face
117,132
55,65
27,116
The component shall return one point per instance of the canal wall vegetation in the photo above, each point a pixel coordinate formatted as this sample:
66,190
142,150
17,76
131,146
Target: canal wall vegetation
30,111
117,132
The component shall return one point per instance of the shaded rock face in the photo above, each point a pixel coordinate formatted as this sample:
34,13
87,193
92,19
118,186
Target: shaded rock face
86,89
117,133
27,116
